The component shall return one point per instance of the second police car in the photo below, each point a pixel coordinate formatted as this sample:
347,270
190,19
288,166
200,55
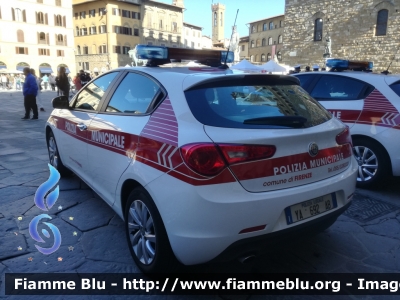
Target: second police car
369,104
203,163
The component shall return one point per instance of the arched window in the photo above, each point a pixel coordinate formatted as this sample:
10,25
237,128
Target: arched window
60,38
318,26
59,20
42,38
271,25
221,19
40,18
20,36
252,58
263,57
280,40
77,31
264,42
258,43
279,56
268,56
270,41
83,30
85,49
253,29
265,26
79,50
215,19
381,22
252,44
93,30
281,23
18,15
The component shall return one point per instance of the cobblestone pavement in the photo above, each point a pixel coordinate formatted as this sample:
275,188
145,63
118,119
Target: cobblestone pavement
364,239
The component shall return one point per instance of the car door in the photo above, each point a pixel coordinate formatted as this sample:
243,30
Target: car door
114,132
343,96
75,121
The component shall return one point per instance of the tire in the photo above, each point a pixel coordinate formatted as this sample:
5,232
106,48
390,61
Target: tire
373,163
149,245
54,156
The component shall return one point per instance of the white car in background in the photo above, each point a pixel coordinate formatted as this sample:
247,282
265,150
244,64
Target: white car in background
370,105
195,176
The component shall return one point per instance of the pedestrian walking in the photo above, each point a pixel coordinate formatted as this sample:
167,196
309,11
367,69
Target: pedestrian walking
77,82
62,82
18,82
39,84
84,77
30,91
4,81
45,79
12,81
52,81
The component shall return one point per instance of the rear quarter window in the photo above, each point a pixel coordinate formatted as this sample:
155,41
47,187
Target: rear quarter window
255,102
396,87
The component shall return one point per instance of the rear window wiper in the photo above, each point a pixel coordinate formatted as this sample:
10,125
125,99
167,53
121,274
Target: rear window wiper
288,121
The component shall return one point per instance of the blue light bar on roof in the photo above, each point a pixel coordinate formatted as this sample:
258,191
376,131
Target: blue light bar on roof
230,58
161,55
344,64
151,52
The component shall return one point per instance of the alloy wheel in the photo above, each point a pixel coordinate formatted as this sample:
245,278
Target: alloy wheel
367,163
53,152
141,232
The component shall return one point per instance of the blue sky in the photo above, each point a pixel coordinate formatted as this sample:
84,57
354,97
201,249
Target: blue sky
198,12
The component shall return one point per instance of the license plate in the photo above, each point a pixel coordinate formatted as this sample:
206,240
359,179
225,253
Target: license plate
310,208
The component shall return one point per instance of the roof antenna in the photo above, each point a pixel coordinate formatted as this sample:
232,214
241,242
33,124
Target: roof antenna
224,66
386,72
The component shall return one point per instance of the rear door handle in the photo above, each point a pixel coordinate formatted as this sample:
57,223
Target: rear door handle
81,126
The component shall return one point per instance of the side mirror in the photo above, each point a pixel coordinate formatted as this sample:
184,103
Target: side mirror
60,102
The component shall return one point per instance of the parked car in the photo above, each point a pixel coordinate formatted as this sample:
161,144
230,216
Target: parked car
196,165
369,104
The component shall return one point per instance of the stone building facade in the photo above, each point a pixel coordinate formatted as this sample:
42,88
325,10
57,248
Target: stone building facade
218,22
104,33
192,36
162,23
244,47
266,39
36,34
359,30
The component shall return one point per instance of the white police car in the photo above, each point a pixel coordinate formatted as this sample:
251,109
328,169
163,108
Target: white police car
203,163
369,104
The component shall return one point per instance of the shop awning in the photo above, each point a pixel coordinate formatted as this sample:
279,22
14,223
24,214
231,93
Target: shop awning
3,67
21,68
47,70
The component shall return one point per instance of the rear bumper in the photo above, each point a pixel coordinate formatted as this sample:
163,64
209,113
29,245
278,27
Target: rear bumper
203,221
261,244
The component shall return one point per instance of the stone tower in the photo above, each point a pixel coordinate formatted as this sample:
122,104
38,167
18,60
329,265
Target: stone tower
218,22
178,3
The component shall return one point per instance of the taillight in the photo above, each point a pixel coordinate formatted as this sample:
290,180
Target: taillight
240,153
206,158
203,158
344,137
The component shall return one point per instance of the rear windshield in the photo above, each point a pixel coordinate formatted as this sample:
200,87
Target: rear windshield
258,103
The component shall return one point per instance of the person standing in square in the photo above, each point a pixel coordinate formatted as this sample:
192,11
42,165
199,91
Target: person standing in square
30,91
62,82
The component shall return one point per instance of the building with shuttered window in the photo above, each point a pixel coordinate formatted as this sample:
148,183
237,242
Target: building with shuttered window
359,30
104,33
38,34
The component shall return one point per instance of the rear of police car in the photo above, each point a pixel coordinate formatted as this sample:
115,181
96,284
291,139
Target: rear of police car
262,160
